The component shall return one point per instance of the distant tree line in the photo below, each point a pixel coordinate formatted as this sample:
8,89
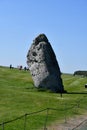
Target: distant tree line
82,73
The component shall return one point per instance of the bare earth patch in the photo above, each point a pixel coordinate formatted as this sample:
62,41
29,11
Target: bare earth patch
70,124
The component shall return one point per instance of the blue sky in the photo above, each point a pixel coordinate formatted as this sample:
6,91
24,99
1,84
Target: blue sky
63,21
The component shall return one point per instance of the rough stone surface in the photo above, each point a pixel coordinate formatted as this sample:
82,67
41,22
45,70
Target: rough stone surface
43,65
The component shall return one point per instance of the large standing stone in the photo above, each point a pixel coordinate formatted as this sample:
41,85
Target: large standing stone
43,65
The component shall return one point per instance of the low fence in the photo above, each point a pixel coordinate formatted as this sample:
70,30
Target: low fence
29,121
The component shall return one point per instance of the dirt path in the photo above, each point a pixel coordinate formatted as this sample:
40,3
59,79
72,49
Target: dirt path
70,123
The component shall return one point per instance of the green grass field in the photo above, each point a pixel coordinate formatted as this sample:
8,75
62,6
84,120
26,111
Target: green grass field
19,96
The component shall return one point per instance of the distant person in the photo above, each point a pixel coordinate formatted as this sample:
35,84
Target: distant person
25,68
20,67
10,66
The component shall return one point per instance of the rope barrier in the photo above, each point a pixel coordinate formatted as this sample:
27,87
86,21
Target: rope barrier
27,114
77,104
